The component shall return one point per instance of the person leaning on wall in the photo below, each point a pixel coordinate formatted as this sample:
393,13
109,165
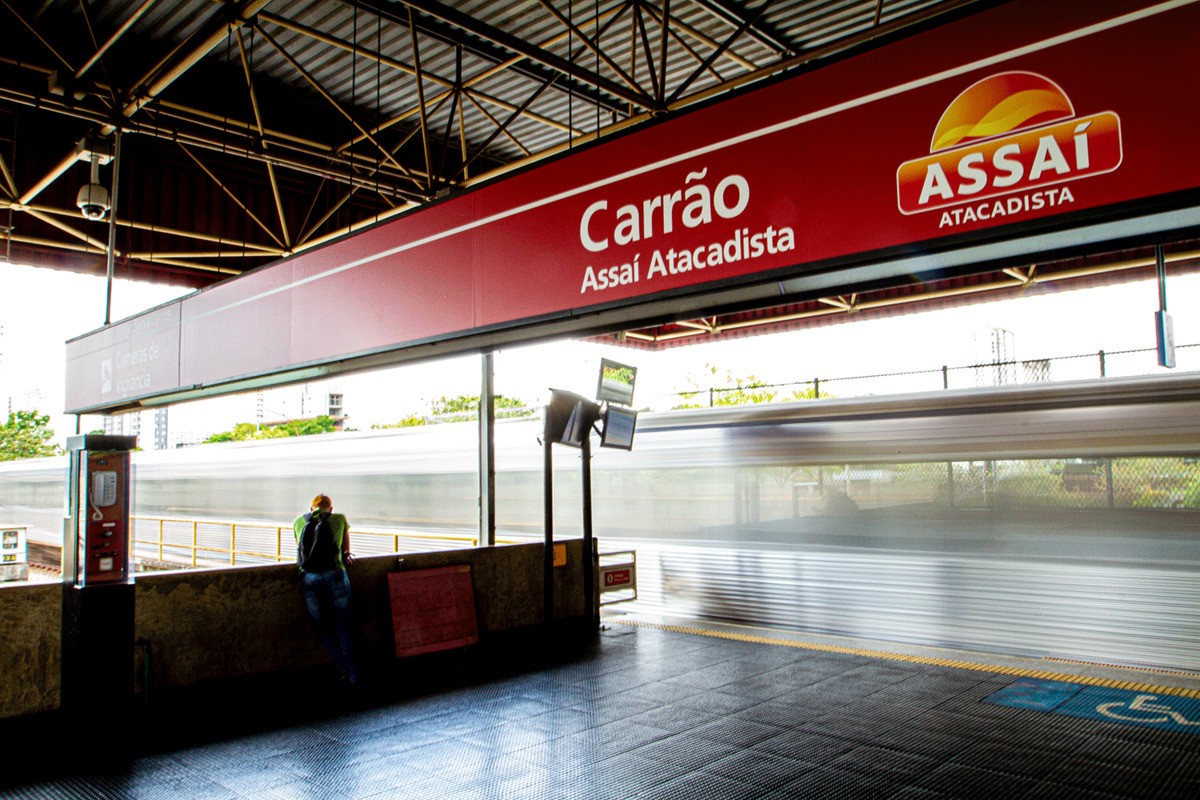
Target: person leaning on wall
322,552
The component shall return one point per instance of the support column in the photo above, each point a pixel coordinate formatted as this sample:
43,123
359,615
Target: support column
487,453
590,609
548,524
98,589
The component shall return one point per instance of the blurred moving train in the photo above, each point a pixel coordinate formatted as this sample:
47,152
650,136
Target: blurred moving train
1057,520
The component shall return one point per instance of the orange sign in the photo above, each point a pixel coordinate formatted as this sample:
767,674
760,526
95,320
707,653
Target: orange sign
1009,143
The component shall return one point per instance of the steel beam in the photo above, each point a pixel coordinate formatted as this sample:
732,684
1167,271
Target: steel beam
592,46
516,46
229,192
742,28
217,28
736,14
416,52
336,105
283,226
115,37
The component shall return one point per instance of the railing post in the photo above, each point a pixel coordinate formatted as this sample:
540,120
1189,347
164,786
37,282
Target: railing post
945,377
195,540
278,543
233,544
1110,494
161,523
816,388
1102,365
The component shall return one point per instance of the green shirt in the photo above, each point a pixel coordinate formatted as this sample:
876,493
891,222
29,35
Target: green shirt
337,524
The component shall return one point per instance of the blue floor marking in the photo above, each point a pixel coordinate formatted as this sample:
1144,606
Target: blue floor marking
1034,693
1126,706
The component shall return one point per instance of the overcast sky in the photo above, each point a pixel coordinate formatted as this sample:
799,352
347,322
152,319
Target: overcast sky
44,308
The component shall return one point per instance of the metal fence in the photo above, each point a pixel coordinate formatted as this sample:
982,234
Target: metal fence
1100,364
1118,483
177,541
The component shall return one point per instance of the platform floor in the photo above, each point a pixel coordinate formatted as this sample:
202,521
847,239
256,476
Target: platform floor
642,711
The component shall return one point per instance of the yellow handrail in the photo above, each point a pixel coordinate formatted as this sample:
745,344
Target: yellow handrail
163,546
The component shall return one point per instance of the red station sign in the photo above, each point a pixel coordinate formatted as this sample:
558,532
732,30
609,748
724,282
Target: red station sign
1027,114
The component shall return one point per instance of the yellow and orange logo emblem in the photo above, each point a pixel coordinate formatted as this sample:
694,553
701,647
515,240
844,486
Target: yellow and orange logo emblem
1010,133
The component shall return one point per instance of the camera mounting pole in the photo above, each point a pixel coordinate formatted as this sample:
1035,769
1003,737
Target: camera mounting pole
569,420
112,227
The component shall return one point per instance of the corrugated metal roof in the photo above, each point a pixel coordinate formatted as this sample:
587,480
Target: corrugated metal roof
340,108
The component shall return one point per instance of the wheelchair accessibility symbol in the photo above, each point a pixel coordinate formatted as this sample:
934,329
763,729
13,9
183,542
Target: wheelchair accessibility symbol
1163,711
1145,710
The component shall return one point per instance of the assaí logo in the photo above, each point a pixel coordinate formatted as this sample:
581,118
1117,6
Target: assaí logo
1009,145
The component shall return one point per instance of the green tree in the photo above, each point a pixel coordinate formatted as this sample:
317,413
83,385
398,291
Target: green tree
724,389
717,388
808,394
411,421
465,407
300,427
26,435
305,427
461,409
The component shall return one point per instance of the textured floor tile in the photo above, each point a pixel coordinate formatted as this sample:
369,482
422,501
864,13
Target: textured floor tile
806,746
1086,773
883,764
659,714
831,784
759,768
702,786
685,750
736,731
962,781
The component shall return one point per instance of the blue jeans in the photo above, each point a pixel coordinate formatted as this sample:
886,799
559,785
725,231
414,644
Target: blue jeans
327,595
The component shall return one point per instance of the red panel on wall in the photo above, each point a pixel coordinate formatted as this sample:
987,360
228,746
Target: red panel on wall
432,609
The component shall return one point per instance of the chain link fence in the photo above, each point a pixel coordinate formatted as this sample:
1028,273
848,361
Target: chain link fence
1120,483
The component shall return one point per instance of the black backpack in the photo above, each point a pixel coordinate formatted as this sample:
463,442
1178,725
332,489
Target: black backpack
316,551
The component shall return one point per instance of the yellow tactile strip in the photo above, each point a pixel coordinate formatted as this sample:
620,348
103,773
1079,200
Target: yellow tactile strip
1019,672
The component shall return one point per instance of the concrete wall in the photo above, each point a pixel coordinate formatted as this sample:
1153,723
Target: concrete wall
217,625
30,648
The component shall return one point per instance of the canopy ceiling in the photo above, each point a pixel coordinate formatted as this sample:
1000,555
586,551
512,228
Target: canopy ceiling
253,129
258,128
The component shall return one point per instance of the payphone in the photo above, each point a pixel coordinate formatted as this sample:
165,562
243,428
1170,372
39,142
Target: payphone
98,589
99,503
96,546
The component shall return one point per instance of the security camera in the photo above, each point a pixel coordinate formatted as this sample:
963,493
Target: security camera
93,201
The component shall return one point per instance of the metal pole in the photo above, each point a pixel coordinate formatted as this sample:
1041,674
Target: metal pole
1163,327
112,225
548,524
589,584
487,453
1160,267
1108,482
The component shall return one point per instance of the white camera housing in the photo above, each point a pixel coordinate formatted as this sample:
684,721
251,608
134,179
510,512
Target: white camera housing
93,201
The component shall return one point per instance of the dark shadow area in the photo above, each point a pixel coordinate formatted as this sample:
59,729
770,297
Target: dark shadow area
59,744
630,713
